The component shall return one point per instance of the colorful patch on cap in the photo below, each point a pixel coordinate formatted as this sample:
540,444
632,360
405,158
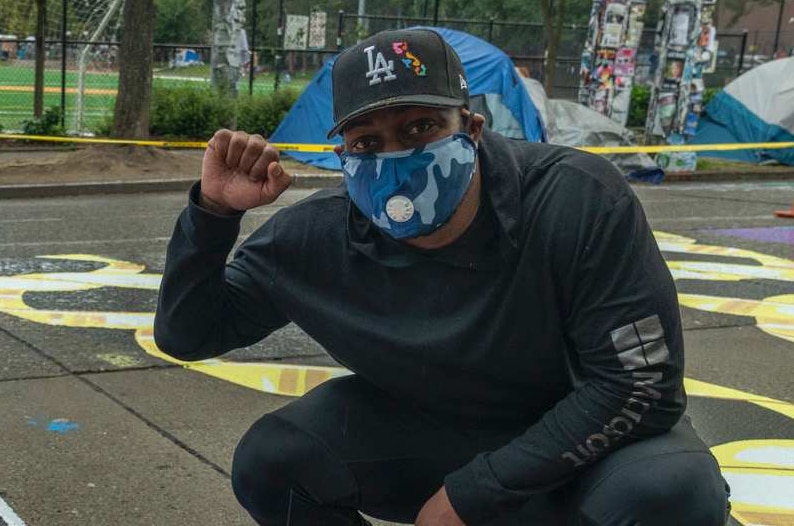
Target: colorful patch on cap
410,61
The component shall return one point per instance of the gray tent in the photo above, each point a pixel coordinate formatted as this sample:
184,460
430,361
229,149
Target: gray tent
571,124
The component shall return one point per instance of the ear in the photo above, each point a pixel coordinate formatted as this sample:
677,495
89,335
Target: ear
474,124
339,148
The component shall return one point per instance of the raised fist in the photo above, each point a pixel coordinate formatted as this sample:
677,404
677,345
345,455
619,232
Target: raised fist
240,172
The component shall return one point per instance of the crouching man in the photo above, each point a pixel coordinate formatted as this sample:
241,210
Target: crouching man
513,331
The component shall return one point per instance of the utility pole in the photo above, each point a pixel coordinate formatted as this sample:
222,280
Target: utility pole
779,22
228,17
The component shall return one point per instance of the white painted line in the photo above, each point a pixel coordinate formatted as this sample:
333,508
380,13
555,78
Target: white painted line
708,218
86,242
8,515
33,220
719,187
97,242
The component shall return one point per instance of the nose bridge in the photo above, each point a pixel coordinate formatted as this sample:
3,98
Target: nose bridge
392,140
394,146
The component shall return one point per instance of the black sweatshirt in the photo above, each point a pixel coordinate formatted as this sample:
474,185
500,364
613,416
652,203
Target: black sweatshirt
554,310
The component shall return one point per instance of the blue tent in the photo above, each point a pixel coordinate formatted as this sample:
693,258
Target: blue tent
757,107
489,71
186,57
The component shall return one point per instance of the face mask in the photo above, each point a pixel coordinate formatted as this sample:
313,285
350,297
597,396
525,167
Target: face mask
412,192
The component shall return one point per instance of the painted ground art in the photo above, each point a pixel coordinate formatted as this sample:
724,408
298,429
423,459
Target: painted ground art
760,469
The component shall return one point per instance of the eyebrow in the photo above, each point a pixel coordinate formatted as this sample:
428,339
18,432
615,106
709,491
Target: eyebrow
367,121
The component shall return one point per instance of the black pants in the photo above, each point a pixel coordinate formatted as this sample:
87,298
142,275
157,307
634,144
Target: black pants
347,447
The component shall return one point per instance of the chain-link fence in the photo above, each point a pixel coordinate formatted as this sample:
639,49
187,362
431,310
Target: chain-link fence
83,81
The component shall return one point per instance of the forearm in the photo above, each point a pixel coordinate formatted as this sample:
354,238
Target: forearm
193,283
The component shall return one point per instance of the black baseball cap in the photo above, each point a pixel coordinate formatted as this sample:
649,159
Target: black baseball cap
396,68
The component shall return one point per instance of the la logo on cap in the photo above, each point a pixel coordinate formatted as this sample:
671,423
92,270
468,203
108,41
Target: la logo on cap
378,66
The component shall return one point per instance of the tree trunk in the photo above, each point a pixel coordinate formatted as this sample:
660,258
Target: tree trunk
552,27
131,115
41,56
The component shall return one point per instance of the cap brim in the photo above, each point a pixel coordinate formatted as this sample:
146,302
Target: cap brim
433,101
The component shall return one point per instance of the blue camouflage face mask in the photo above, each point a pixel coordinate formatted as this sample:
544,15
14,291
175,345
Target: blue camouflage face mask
412,192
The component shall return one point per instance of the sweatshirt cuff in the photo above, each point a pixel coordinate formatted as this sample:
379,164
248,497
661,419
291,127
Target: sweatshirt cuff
208,229
472,490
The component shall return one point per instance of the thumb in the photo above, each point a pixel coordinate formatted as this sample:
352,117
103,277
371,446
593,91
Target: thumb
277,180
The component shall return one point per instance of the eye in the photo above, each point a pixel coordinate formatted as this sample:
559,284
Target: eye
421,127
363,144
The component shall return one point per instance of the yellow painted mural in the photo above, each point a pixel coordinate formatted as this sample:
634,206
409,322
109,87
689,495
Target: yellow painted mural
774,315
283,379
748,465
761,476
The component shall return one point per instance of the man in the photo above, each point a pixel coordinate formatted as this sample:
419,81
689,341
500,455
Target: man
512,327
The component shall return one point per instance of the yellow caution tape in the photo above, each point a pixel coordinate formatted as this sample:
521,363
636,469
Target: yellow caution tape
689,147
315,148
321,148
94,140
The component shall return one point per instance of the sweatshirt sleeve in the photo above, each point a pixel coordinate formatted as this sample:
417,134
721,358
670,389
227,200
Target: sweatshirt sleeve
206,307
625,352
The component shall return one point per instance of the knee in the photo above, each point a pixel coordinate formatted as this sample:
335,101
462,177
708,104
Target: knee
262,467
682,489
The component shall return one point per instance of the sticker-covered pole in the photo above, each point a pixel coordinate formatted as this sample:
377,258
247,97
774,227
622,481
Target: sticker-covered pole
609,57
686,47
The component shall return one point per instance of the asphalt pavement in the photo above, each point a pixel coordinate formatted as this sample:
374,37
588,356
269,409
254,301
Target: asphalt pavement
97,428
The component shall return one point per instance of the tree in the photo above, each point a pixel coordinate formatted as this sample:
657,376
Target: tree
739,8
553,16
131,115
182,21
14,18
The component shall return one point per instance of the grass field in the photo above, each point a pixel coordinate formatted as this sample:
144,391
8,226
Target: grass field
17,81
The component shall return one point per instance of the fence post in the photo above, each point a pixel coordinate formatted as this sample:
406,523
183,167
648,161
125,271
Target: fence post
742,52
252,49
64,7
279,44
777,32
340,29
490,30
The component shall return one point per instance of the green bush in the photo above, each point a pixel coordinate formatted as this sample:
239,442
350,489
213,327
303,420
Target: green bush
638,111
189,111
48,124
640,96
709,94
262,114
195,113
103,127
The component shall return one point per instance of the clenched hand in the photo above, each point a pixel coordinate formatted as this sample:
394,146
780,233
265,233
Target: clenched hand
240,172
